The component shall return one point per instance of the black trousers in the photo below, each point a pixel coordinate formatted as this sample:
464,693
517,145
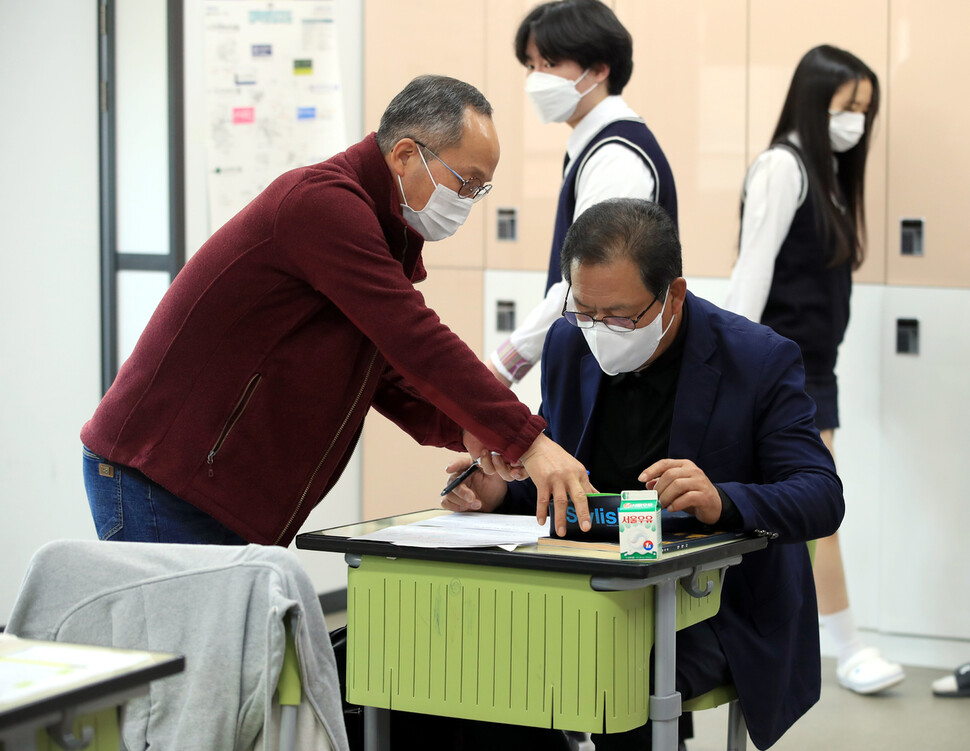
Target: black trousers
701,667
418,732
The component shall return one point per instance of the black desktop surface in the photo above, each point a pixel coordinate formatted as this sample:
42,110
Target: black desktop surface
594,563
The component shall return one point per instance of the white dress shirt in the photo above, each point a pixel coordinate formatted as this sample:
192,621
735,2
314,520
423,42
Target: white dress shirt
773,190
612,171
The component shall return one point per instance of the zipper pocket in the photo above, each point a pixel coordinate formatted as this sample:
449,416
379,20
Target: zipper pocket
234,416
313,475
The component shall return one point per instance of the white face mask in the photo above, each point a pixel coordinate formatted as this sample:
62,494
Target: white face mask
441,216
625,352
555,98
845,129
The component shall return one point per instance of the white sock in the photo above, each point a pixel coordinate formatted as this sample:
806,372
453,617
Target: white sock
841,627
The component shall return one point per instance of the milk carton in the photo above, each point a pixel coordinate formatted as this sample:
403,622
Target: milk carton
639,520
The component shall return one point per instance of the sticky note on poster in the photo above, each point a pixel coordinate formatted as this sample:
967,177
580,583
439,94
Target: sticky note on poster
303,67
243,115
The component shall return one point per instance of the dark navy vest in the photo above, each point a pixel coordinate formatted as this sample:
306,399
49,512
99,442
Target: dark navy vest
636,136
808,302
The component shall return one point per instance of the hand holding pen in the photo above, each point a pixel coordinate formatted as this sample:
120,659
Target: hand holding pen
462,476
498,465
474,487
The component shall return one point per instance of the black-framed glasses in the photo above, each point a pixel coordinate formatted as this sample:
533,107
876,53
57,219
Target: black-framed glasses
472,188
620,324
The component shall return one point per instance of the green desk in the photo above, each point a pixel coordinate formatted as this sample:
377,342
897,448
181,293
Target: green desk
46,686
547,638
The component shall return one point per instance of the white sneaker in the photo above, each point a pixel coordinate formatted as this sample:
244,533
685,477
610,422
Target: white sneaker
868,672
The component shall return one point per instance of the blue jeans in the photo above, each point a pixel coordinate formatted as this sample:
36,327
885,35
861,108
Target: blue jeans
129,507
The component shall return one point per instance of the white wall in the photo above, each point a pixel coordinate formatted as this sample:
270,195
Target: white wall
49,291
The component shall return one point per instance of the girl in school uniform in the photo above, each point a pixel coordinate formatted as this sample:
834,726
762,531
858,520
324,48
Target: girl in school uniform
803,231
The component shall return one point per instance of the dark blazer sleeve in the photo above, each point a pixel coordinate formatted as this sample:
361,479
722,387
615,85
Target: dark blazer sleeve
796,495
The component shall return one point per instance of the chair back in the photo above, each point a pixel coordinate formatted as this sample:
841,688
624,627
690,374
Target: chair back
224,607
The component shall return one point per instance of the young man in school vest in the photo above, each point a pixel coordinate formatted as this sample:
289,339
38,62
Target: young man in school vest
580,57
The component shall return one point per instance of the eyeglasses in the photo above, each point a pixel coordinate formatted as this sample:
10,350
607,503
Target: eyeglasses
620,324
472,188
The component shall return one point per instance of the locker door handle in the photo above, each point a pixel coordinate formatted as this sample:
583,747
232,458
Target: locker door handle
907,336
911,236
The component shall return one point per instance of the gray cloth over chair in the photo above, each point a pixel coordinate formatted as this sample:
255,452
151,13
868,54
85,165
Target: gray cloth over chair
224,607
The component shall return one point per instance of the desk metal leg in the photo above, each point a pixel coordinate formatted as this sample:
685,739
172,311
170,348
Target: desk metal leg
62,733
377,729
665,700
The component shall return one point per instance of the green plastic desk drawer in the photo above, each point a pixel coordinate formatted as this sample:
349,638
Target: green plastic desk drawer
506,645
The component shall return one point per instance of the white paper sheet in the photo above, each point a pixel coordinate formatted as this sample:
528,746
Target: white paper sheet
465,530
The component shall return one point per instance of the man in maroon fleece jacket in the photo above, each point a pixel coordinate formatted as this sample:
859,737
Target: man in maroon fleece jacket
245,395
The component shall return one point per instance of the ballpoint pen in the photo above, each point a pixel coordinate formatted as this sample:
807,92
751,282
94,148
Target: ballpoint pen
464,475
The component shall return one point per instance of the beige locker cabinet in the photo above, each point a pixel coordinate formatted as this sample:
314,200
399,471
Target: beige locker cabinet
404,40
399,475
530,171
780,33
928,146
407,39
689,85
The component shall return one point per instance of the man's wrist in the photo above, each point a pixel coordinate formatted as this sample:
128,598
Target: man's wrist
730,518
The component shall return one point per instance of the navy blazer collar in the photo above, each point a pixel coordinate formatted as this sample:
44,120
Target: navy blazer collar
697,385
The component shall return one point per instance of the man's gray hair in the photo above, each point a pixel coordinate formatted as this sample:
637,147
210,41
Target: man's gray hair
430,109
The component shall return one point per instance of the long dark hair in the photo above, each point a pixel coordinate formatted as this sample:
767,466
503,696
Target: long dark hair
838,195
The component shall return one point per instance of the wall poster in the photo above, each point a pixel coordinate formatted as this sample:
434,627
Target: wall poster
273,95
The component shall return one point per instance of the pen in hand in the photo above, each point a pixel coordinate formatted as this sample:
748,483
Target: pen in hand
463,475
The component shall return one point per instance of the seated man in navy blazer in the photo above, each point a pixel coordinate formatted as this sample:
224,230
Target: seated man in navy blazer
649,385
